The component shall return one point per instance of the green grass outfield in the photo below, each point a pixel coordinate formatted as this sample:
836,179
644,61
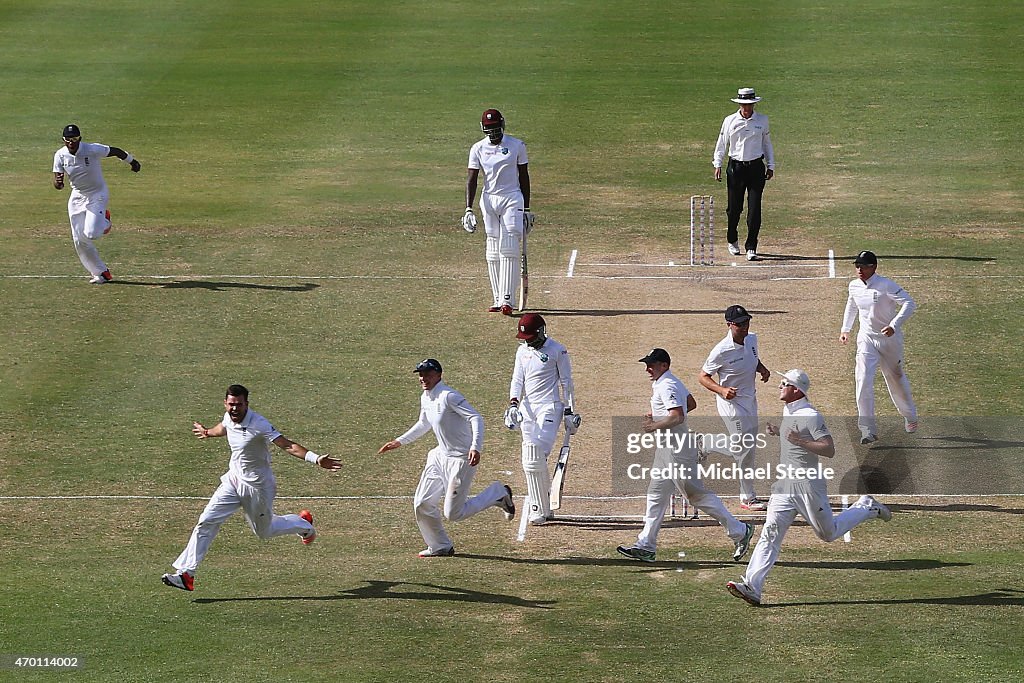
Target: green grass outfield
303,174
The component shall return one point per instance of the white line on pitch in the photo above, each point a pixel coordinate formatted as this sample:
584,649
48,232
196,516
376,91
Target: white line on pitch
604,498
831,263
808,277
572,262
252,277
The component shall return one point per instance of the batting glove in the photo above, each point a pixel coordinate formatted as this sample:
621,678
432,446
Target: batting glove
529,218
513,418
572,421
469,221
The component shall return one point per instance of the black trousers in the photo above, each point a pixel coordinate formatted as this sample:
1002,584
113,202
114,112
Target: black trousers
745,178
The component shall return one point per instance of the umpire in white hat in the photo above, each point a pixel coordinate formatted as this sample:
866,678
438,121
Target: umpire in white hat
746,137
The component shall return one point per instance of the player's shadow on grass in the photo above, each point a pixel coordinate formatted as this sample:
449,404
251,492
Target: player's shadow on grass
379,590
1003,597
223,286
614,312
219,286
617,561
938,443
887,257
955,507
917,564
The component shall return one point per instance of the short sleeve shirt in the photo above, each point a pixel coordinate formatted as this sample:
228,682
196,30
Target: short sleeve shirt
83,170
736,365
668,393
499,164
250,442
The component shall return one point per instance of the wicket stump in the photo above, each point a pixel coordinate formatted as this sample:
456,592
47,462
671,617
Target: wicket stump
702,229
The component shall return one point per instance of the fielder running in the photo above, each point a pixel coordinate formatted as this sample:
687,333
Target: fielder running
540,399
883,306
504,204
805,438
451,465
248,484
79,162
737,363
670,402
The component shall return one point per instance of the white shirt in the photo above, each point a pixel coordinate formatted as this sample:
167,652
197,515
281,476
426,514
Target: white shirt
83,170
880,302
801,416
668,393
747,139
250,442
540,374
499,164
736,365
458,426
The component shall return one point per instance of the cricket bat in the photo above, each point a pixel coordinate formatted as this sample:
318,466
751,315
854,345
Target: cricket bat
558,480
524,280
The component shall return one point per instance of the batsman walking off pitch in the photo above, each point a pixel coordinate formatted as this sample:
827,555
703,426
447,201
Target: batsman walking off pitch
540,400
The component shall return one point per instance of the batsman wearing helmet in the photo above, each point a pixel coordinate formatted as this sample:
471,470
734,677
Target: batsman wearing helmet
540,398
504,204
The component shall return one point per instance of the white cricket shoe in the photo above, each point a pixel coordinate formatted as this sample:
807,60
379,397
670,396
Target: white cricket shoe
734,248
744,592
884,513
743,544
439,552
868,437
751,255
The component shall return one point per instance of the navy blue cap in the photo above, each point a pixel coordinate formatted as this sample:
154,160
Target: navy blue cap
657,356
428,364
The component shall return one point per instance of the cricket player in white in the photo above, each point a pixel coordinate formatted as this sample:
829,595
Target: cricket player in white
504,204
79,163
805,438
670,402
451,465
540,400
737,363
248,484
883,307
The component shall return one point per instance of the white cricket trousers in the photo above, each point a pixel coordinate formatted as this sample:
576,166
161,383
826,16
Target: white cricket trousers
256,502
449,478
741,422
539,428
659,496
876,351
503,225
87,214
782,511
